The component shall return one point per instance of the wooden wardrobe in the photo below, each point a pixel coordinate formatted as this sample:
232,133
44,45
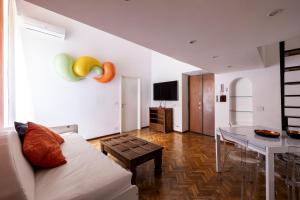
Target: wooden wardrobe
202,104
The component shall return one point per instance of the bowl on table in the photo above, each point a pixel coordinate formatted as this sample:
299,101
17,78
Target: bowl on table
293,134
267,133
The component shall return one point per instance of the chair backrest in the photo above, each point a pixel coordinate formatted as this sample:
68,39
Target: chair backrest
237,137
16,174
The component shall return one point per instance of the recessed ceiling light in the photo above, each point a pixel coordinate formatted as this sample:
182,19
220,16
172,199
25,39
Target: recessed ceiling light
214,57
275,12
192,41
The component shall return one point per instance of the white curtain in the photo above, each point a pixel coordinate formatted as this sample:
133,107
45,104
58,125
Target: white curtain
23,100
17,103
8,69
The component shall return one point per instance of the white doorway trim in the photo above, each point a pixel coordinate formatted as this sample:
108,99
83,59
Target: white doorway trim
138,102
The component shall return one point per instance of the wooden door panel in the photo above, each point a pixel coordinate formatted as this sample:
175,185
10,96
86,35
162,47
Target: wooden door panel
209,104
195,106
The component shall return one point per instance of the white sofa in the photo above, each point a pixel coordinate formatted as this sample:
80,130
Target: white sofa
87,175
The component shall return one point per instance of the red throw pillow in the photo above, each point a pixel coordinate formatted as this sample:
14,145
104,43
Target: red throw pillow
57,137
41,149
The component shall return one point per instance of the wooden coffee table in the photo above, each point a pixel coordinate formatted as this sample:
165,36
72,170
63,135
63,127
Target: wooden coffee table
132,151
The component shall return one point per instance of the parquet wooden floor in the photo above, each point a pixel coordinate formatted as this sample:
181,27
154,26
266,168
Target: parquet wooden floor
189,171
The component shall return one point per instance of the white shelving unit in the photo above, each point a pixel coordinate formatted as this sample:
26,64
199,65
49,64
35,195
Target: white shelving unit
241,102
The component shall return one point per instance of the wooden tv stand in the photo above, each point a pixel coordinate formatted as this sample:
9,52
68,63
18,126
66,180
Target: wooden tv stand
161,119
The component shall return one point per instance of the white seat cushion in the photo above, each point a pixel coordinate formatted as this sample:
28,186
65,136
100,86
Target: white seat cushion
88,174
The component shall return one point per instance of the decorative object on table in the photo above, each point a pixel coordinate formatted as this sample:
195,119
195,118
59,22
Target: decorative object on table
267,133
293,134
76,70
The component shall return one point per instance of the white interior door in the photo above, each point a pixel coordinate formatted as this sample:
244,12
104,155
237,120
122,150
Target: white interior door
130,104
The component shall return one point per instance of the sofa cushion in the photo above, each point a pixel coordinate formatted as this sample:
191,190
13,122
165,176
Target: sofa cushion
21,130
17,176
34,126
41,149
89,174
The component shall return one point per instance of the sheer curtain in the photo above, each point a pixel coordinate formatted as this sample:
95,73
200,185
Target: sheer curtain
23,100
17,101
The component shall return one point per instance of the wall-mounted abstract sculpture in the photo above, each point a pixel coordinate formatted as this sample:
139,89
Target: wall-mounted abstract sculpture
77,70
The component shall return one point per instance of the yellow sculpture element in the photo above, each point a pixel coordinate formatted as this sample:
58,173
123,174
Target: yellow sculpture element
84,65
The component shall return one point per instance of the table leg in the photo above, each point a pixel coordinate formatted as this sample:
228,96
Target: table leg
270,186
218,153
103,151
158,163
132,168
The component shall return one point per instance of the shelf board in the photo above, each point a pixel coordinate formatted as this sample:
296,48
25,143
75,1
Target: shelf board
156,121
250,111
241,96
161,123
156,118
242,123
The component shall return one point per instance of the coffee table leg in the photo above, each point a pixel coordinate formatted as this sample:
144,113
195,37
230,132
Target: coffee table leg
158,162
133,171
102,149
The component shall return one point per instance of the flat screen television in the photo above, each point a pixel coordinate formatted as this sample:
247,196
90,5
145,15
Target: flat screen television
165,91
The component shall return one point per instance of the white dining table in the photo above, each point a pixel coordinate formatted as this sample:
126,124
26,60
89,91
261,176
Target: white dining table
263,145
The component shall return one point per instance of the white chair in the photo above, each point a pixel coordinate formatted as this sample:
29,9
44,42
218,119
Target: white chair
247,159
237,148
242,150
290,163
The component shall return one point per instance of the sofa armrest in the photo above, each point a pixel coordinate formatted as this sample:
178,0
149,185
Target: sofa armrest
64,129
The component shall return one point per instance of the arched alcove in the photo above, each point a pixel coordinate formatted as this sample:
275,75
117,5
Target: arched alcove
241,102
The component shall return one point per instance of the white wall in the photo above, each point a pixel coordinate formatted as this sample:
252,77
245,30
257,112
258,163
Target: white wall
94,106
266,94
163,69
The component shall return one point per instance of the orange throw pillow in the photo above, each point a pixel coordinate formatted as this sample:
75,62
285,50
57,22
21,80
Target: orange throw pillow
41,149
57,137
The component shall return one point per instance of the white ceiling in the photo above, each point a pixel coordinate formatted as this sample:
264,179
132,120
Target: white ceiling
229,29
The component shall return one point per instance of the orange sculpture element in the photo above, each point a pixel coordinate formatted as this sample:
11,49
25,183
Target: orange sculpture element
108,73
